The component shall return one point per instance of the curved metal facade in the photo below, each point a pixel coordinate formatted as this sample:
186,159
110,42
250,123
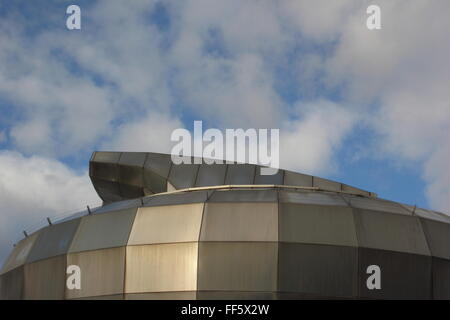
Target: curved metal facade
268,241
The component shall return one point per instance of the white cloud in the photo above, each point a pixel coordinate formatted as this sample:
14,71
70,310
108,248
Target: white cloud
309,143
33,188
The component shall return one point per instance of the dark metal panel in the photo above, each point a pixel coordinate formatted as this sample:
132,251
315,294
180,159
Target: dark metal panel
326,184
403,275
106,156
183,175
154,183
134,159
53,240
297,179
376,204
237,266
115,228
234,295
269,179
441,278
306,197
131,175
354,190
130,192
438,237
12,284
240,174
108,191
256,195
317,224
176,198
158,163
318,269
211,175
396,232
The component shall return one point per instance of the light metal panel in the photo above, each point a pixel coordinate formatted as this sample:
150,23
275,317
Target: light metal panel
167,224
240,222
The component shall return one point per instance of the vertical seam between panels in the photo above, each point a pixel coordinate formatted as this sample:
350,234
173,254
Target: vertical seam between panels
143,175
125,257
226,172
198,247
196,174
358,269
168,175
431,258
254,174
119,184
277,288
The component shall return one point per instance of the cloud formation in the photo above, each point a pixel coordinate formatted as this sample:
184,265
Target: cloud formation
310,68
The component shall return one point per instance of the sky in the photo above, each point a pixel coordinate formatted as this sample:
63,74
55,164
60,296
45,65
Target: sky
368,108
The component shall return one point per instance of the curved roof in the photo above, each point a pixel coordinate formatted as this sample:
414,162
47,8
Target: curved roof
119,176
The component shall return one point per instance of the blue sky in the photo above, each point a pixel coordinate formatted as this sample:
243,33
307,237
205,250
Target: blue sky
367,108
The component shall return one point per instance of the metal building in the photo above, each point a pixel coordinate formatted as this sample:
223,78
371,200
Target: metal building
223,231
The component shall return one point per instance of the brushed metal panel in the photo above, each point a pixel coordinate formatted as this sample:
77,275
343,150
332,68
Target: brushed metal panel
158,163
20,253
12,284
108,191
318,269
269,179
166,224
380,230
154,183
177,198
234,295
180,295
161,267
376,204
326,184
427,214
183,176
240,174
211,175
317,224
244,195
104,171
297,179
46,279
237,266
119,205
111,297
130,192
102,272
53,240
438,237
306,197
403,275
351,189
131,175
107,230
441,278
106,156
135,159
240,222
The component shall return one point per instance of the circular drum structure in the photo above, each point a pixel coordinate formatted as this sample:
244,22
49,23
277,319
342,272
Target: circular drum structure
224,231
